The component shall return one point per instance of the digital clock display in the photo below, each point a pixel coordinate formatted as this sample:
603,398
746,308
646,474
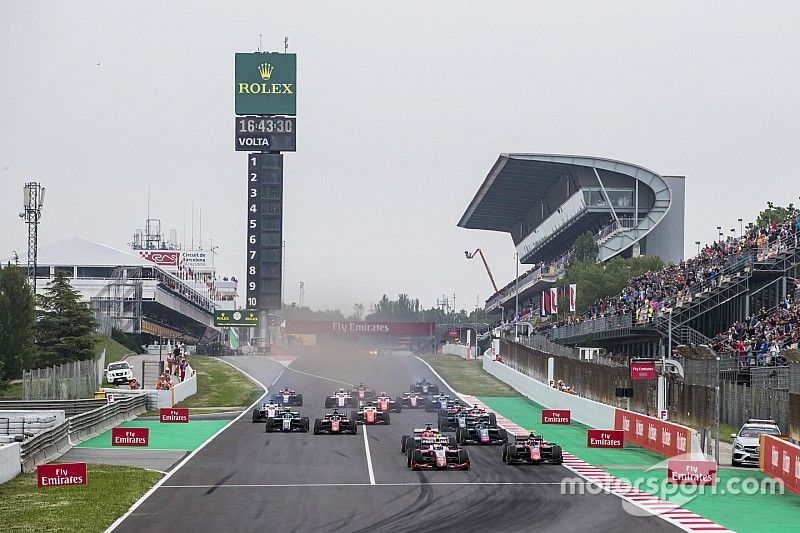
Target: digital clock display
268,134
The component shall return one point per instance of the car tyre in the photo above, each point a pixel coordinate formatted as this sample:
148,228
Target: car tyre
386,418
557,454
492,419
317,426
403,441
305,424
299,400
414,459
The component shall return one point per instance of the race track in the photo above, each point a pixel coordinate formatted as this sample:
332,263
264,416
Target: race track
248,480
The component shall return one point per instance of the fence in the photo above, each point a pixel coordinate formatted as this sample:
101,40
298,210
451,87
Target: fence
740,402
77,379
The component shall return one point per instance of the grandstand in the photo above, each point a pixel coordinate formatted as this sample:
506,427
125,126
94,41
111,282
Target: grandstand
546,201
130,293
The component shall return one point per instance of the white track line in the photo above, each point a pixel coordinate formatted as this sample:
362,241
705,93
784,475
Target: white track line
369,458
413,484
186,459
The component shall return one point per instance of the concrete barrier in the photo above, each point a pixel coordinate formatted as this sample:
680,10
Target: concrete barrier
588,412
460,350
10,463
17,422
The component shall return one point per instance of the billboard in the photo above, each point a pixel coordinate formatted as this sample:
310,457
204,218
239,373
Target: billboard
230,319
266,84
664,438
163,258
311,327
276,134
643,369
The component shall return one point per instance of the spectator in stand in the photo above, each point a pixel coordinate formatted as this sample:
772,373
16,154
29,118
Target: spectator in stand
134,384
171,360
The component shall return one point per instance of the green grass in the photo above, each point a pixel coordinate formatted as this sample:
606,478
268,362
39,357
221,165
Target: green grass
11,391
468,377
110,491
220,385
165,436
114,350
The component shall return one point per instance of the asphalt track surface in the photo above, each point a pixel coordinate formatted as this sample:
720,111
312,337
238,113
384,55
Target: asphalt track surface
248,480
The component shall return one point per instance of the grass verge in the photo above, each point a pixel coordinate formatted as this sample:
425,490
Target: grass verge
220,385
110,491
468,377
114,350
11,391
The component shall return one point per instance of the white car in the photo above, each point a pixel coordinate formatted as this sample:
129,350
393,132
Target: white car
746,443
119,372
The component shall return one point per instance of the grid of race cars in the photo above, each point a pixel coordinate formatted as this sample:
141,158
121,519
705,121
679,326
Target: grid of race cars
425,448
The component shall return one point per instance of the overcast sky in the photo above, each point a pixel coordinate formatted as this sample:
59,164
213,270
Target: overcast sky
402,110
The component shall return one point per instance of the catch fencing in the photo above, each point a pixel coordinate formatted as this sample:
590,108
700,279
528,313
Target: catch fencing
73,380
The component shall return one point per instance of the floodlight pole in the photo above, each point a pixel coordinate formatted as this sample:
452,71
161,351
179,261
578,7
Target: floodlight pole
33,199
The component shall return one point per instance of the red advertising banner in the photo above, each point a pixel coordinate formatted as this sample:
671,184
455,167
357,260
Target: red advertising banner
780,459
556,416
643,369
173,414
130,436
164,258
59,475
686,472
662,437
327,327
604,438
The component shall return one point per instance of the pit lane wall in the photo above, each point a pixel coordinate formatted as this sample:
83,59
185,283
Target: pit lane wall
781,460
664,438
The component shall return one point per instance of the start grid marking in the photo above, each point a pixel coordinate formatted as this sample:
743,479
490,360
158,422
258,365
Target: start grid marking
680,517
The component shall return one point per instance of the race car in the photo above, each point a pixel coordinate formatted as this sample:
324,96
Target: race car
341,398
442,401
420,435
336,423
438,456
532,449
260,414
412,400
287,396
424,386
384,403
363,393
372,415
287,420
455,416
478,430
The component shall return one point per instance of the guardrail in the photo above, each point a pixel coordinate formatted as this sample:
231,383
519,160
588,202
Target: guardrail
592,326
50,444
70,407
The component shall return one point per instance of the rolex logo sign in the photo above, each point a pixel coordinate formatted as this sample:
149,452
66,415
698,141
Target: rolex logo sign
265,84
229,319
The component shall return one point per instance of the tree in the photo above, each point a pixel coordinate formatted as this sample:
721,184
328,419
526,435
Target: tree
586,249
774,214
17,321
65,328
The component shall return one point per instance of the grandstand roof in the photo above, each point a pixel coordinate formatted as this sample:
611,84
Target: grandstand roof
516,181
81,252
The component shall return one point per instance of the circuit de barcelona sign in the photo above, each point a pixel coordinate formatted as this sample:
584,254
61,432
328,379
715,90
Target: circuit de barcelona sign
311,327
266,84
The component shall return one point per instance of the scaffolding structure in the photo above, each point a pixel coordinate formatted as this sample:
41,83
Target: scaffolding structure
121,300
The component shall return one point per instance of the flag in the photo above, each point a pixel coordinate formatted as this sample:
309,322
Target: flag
234,338
573,294
553,301
544,308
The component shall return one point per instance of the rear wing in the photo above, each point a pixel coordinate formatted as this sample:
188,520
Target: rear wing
420,430
435,440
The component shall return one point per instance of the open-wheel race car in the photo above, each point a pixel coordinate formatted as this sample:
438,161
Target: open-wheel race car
412,400
341,398
260,414
287,420
455,416
287,396
363,393
532,449
372,415
424,386
480,430
409,442
336,423
385,403
438,453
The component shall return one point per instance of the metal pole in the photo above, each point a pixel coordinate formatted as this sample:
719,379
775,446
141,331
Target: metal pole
516,285
716,402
